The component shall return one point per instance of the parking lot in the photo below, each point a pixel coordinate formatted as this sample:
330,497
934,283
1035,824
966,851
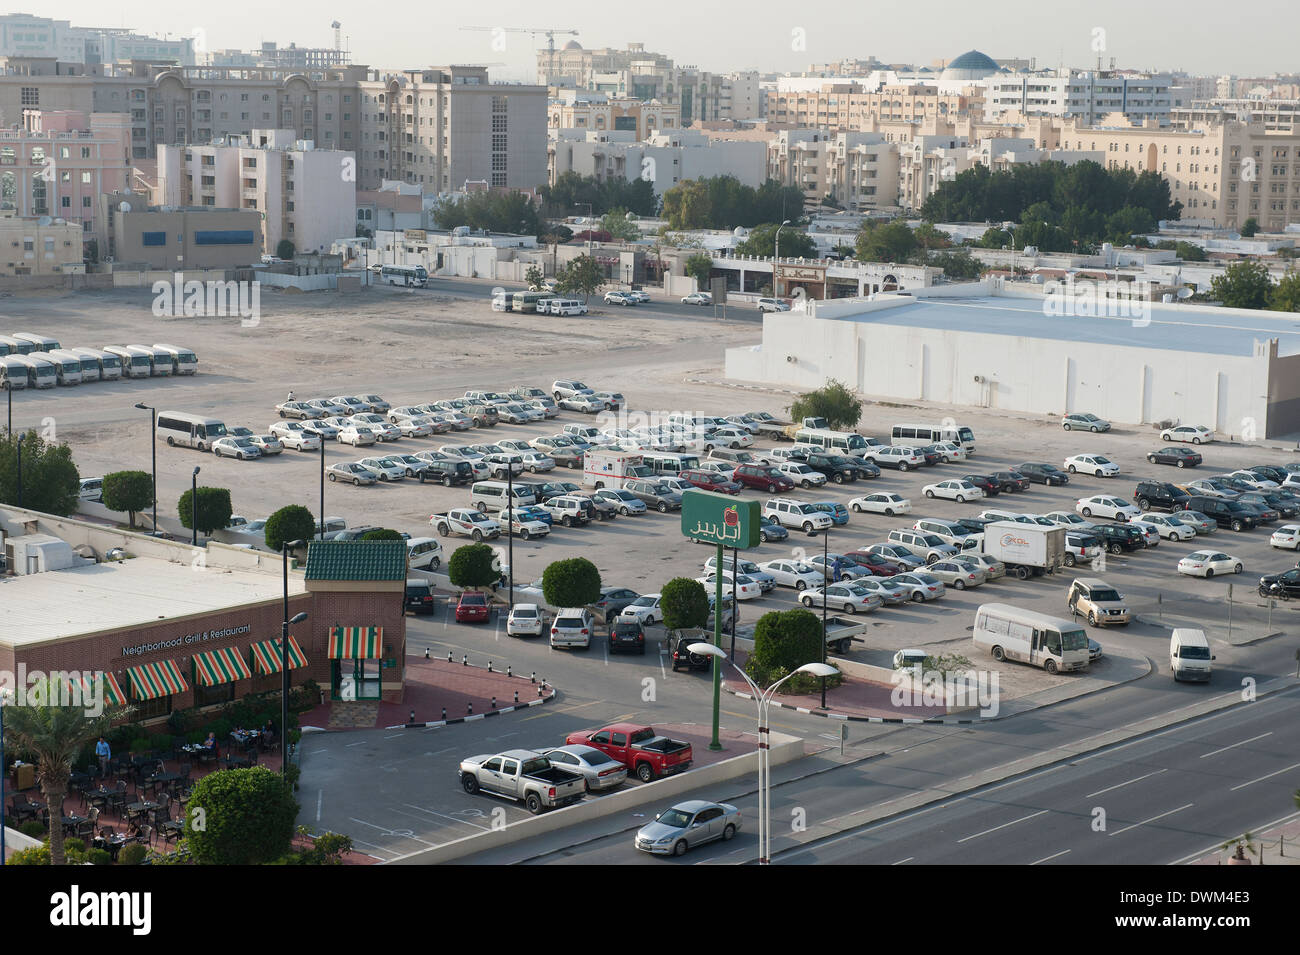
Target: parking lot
418,346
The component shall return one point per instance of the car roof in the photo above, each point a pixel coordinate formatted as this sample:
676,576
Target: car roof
695,805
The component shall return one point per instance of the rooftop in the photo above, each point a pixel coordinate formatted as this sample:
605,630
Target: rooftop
1191,328
86,600
356,560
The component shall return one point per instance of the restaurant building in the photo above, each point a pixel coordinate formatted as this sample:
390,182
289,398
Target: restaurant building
171,632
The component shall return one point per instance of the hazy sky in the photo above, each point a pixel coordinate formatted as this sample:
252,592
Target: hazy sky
1196,35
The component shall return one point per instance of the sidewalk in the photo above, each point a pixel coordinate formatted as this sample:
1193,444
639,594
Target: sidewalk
1276,845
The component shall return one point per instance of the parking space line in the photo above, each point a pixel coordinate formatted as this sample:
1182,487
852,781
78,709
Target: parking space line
442,816
1051,857
393,833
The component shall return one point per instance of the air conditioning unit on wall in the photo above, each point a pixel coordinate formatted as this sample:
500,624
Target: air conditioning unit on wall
979,379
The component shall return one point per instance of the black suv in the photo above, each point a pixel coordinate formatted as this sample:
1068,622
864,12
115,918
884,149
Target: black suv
1159,496
836,468
985,482
627,635
419,596
682,657
1044,474
1119,537
1223,512
446,472
1011,480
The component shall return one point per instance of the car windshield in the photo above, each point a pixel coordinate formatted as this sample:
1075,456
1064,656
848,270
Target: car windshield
643,602
1194,653
674,818
1074,640
1106,594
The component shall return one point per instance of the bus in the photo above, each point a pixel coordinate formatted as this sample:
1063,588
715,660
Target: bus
109,367
41,372
13,373
669,463
184,361
136,362
518,301
845,442
89,364
919,435
189,430
1012,633
39,342
16,346
160,361
67,365
416,276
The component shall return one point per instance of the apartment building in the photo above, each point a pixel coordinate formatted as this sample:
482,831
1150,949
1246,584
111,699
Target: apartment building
858,170
850,106
1085,95
599,112
59,163
39,246
28,36
306,194
665,159
1280,115
445,126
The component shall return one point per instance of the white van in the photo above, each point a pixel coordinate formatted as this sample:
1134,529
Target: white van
136,362
919,435
184,361
41,372
89,364
189,430
1012,633
1189,655
492,495
67,364
39,342
109,366
565,306
423,553
16,346
13,373
160,360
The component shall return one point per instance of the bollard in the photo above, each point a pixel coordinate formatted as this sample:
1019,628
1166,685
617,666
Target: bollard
489,666
469,707
444,714
412,716
508,671
448,656
494,702
464,661
516,696
539,692
532,678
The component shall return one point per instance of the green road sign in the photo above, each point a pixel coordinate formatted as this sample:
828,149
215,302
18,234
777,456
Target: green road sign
721,519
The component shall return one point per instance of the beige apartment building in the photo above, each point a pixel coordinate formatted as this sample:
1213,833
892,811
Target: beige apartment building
846,106
39,246
859,170
596,112
305,194
192,238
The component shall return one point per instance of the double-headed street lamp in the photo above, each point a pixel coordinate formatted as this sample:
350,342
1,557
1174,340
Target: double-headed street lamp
763,699
20,468
5,694
776,258
153,446
322,487
825,535
285,547
194,508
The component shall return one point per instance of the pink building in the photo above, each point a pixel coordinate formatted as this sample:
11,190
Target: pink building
59,162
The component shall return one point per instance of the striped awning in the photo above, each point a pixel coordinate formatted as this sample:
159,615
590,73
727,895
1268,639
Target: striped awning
113,691
266,656
150,681
356,643
213,667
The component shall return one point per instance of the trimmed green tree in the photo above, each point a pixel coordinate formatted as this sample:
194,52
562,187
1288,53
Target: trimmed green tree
1243,285
383,534
51,483
571,583
473,566
130,491
833,401
290,523
213,509
1285,296
700,267
582,276
785,640
284,249
534,277
247,817
1250,227
685,604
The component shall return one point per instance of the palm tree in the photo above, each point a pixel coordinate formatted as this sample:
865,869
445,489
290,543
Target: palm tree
54,735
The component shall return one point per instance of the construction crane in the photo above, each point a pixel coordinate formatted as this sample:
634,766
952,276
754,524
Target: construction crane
539,31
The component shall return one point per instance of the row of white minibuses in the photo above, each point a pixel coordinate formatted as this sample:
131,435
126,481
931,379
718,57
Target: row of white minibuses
901,435
54,365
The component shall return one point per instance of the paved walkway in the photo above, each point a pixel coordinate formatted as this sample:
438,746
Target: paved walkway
435,690
1276,845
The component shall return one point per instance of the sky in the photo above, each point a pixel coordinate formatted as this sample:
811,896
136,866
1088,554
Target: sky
1198,36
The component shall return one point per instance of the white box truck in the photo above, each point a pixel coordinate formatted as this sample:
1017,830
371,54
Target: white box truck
1026,549
602,468
1189,655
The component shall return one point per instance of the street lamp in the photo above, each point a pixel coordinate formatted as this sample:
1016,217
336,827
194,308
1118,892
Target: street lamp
510,529
10,428
21,437
762,700
590,216
4,695
153,446
322,487
285,547
194,508
777,257
825,535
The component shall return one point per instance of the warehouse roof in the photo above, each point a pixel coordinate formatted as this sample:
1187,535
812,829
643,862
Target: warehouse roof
1191,328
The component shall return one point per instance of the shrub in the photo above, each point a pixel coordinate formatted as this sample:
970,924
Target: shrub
74,845
685,604
383,534
213,509
250,817
132,855
290,523
571,583
36,855
783,642
130,491
34,829
473,565
99,857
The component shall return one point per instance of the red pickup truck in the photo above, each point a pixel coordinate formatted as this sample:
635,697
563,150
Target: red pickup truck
639,748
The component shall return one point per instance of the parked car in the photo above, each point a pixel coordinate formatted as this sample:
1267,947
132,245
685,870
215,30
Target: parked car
1286,537
959,491
357,435
710,481
1105,506
619,298
884,503
1012,480
298,409
772,305
643,751
352,473
1192,433
957,574
419,596
1159,496
525,620
242,448
1084,422
1096,464
798,472
687,825
1097,600
848,597
1169,526
770,530
1118,538
384,468
698,298
1207,563
1038,473
600,771
985,482
524,776
472,607
920,586
1178,457
293,435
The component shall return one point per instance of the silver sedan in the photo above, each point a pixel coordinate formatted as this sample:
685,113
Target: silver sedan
686,825
600,770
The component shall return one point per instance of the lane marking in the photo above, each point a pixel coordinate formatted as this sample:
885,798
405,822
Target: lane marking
1003,826
1154,818
1051,857
1121,785
320,796
1262,778
1235,745
901,861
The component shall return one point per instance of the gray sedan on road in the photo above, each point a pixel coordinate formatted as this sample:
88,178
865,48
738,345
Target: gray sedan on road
600,770
686,825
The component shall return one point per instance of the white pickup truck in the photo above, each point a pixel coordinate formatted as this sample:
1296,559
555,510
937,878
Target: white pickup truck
523,527
465,522
524,776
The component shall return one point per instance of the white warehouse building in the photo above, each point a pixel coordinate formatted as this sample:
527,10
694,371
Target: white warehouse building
979,345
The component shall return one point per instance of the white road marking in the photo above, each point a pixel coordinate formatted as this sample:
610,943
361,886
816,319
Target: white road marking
1262,778
392,832
1051,857
1234,745
320,796
394,736
1120,785
1153,818
443,816
901,861
1003,826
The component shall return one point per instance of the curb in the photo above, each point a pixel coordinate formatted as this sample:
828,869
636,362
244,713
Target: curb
844,717
473,716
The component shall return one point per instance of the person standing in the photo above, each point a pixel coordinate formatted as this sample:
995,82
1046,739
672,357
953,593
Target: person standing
104,754
290,398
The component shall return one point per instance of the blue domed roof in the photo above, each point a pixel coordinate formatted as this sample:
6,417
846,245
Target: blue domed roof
973,60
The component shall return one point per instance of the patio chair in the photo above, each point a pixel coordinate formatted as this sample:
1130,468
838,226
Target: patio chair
145,836
185,769
86,830
118,798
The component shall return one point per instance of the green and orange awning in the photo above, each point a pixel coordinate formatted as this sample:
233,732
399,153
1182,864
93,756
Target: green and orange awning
356,643
266,656
113,691
214,667
84,685
150,681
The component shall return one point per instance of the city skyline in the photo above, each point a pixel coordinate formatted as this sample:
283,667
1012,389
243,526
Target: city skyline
1136,38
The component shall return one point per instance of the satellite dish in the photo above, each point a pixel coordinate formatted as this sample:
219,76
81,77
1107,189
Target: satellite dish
1185,293
124,207
44,221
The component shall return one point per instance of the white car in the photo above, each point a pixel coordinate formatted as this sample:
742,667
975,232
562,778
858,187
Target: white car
1096,464
267,444
410,462
384,430
793,573
291,434
1252,479
1068,521
733,437
1150,533
417,427
848,597
1104,506
242,448
535,462
644,610
959,491
587,404
384,469
525,621
746,588
326,407
1168,526
698,298
1191,433
920,586
1207,563
949,452
801,474
1286,537
889,504
957,574
619,298
354,404
356,435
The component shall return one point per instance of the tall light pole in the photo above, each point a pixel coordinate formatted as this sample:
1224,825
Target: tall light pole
510,529
21,437
153,446
776,259
285,547
4,695
825,535
590,215
322,486
10,428
762,700
194,508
